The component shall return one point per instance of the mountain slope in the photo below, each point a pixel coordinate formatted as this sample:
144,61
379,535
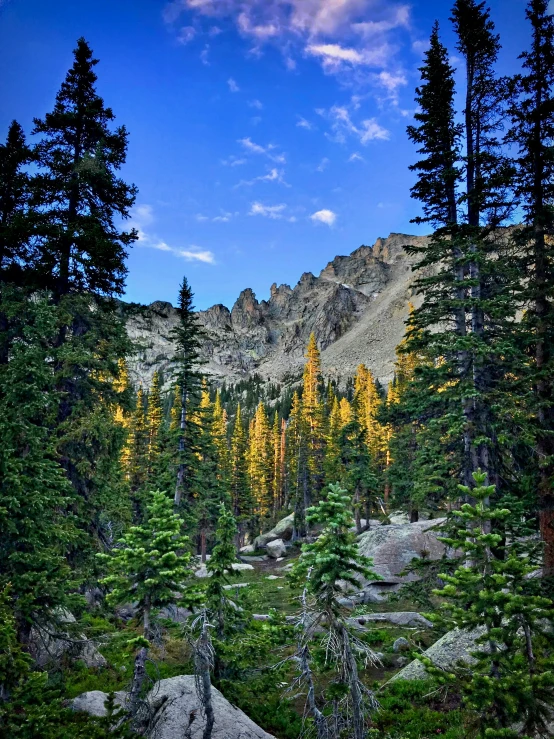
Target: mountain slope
356,307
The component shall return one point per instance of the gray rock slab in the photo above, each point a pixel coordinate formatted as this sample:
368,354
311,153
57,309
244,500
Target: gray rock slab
453,647
177,713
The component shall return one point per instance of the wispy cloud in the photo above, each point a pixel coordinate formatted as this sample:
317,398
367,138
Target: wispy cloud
303,123
356,157
274,175
332,55
322,166
142,216
233,87
268,150
233,161
257,104
186,34
267,211
340,34
342,126
328,217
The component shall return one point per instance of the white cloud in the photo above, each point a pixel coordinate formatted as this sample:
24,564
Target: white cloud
400,17
274,175
355,157
204,55
324,216
268,211
224,217
233,87
322,166
249,145
303,123
371,131
333,54
233,161
143,216
186,34
201,218
343,126
392,82
254,148
341,34
256,104
195,254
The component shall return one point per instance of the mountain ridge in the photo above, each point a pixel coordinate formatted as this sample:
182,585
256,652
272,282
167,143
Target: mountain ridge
356,307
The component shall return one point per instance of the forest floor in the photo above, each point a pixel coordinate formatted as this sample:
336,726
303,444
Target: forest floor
261,669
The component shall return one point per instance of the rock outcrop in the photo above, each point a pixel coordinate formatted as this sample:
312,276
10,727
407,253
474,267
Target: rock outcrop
175,712
356,307
282,530
455,646
393,547
53,641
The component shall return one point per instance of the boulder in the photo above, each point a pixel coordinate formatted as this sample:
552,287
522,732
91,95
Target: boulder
453,647
177,712
93,701
401,645
49,643
408,619
282,530
248,549
276,549
241,566
393,547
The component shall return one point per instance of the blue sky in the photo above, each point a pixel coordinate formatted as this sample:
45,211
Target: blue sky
266,136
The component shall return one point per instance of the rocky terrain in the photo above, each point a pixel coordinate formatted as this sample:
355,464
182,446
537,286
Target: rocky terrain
356,307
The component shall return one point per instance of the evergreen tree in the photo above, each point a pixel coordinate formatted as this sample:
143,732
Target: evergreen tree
220,567
532,133
15,214
154,422
240,488
36,529
512,680
149,567
80,261
138,455
313,420
326,565
187,335
261,463
208,485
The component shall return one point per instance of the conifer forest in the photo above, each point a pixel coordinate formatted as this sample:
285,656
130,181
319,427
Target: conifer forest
336,559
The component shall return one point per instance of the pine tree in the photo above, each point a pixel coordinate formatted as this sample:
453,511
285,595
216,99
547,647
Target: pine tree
36,529
154,422
150,567
512,680
220,567
261,463
278,444
208,484
16,222
297,473
313,420
532,133
325,566
187,336
243,508
80,261
138,456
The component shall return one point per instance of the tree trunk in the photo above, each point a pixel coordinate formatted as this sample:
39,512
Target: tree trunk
139,673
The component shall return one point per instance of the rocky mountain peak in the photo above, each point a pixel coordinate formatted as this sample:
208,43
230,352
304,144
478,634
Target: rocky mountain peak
356,307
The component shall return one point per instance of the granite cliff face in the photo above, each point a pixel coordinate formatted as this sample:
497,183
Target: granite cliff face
356,308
